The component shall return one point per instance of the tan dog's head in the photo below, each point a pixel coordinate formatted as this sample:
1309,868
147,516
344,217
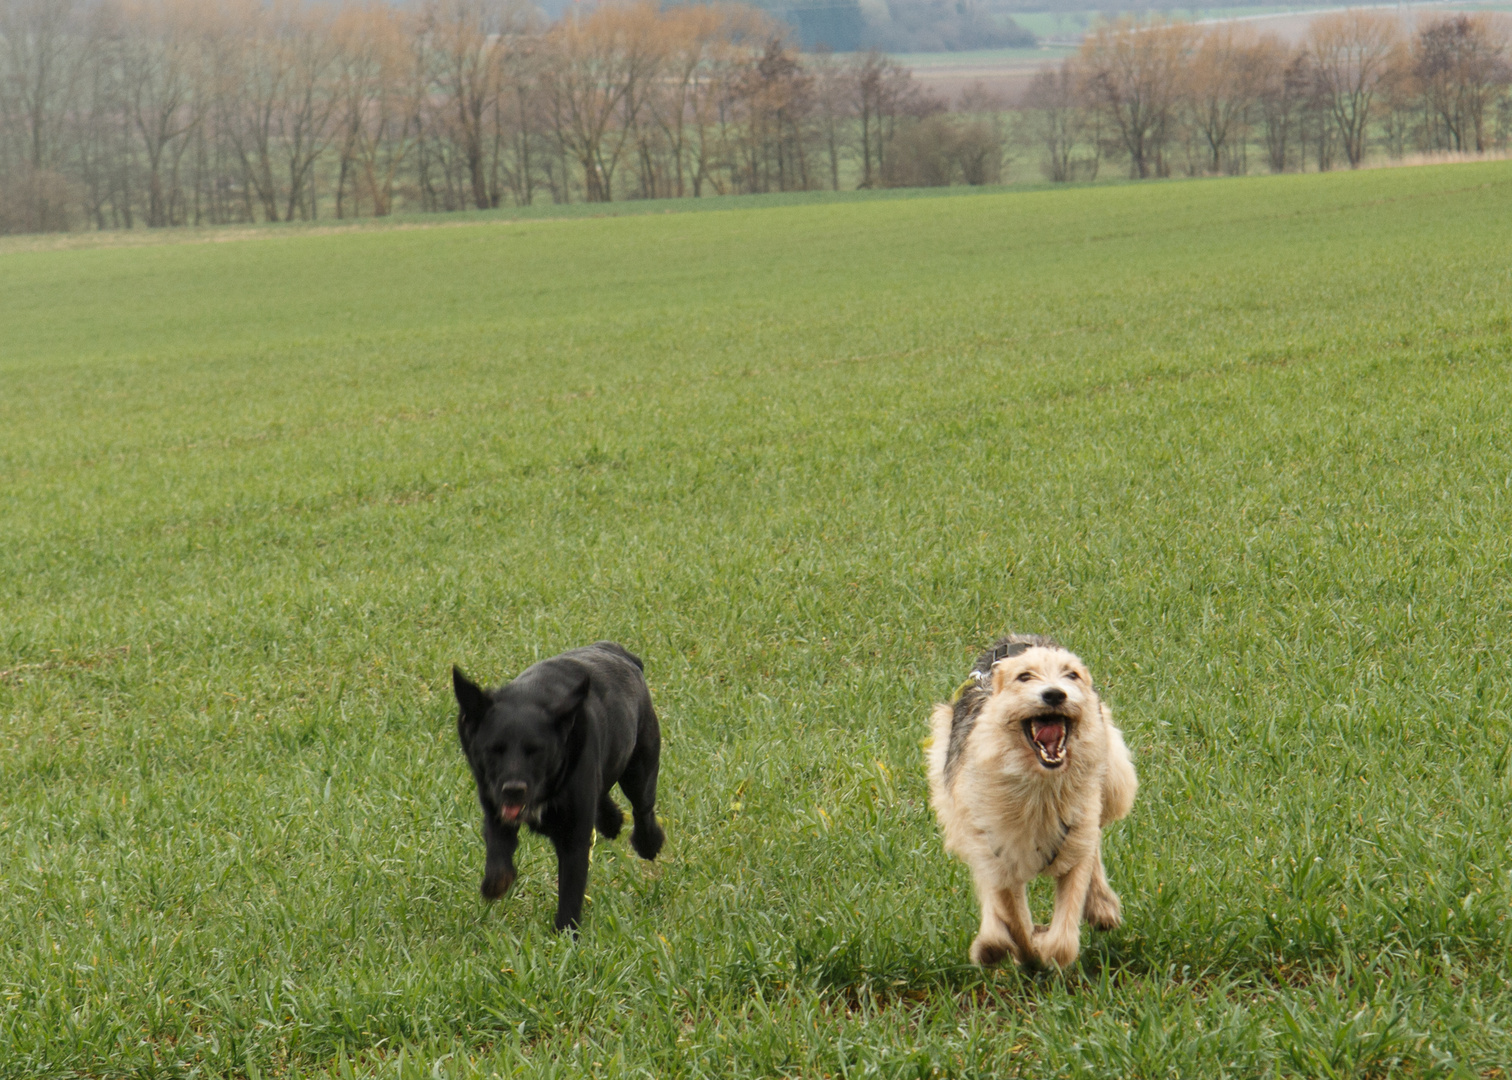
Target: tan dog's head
1048,694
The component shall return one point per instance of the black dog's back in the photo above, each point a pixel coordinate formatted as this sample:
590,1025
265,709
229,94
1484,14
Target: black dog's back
618,650
545,750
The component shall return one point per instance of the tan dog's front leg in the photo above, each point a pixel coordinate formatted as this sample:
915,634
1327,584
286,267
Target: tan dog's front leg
992,942
1103,910
1061,943
1013,909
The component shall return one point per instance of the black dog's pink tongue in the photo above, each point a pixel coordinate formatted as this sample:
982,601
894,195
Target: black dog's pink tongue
1047,735
512,813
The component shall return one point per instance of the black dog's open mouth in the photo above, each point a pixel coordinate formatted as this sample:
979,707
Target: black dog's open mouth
1047,734
512,814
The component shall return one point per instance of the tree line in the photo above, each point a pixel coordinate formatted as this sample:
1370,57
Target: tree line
130,113
125,113
1170,98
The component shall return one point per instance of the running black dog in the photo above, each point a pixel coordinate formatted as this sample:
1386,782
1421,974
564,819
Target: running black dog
545,750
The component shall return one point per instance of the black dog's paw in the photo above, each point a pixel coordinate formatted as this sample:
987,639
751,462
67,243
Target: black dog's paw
648,838
610,818
496,885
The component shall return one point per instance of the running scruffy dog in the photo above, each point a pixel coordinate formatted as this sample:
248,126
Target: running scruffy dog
1025,771
545,750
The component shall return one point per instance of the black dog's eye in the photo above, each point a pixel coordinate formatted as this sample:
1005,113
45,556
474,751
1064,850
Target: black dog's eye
1025,676
530,750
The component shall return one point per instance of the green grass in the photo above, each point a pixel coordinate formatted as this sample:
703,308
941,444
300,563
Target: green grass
538,211
1242,443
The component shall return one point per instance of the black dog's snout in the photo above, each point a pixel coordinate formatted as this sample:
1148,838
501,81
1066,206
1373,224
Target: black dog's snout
513,792
1053,696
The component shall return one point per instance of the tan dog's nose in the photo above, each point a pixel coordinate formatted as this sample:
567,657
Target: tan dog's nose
1053,695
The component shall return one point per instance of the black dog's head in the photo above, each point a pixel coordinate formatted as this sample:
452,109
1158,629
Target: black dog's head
518,738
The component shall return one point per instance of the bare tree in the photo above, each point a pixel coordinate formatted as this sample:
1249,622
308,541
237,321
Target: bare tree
1135,76
519,118
1223,82
468,40
599,69
831,110
99,136
381,88
882,90
42,63
1060,125
1353,52
1461,65
776,102
980,135
161,65
1285,84
712,138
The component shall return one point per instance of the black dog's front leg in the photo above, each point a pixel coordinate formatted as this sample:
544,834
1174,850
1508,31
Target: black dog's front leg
498,865
572,875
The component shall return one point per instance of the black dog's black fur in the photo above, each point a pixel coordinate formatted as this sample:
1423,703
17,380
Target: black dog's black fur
545,750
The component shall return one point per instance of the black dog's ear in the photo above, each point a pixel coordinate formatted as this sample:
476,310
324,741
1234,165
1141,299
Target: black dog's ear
473,699
573,692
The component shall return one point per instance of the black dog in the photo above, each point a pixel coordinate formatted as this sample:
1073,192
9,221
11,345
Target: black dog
545,750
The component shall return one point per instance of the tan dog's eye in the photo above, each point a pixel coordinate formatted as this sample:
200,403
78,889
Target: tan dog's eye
1025,676
1073,676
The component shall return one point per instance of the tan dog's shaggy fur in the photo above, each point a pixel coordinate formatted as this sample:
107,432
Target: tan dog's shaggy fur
1025,770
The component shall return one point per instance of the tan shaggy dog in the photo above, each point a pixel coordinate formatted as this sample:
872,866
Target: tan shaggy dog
1025,770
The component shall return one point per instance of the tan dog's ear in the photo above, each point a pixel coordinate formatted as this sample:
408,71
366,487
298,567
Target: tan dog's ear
999,677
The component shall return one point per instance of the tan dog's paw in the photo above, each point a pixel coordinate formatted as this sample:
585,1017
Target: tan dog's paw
987,951
1057,952
1103,910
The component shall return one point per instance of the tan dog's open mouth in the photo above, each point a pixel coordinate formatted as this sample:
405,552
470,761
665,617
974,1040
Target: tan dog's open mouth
1047,734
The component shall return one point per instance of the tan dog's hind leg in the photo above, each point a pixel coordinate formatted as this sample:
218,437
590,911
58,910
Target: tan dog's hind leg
992,942
1061,944
1103,909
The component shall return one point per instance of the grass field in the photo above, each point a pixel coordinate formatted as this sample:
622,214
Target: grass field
1241,443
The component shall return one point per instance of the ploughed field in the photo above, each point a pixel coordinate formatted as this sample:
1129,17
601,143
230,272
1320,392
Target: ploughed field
1243,444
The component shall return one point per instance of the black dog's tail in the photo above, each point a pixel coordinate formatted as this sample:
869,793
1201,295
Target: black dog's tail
619,650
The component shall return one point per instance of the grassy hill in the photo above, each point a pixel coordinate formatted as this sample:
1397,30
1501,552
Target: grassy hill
1242,444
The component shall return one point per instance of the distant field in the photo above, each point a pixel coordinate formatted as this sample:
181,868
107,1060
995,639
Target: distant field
1060,25
1242,443
1005,72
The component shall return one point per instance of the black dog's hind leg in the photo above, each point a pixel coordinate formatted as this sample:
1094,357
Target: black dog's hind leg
572,876
498,865
610,817
638,782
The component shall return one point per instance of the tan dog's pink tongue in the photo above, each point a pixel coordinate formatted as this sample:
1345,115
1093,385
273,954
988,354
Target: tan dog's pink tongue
1047,735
